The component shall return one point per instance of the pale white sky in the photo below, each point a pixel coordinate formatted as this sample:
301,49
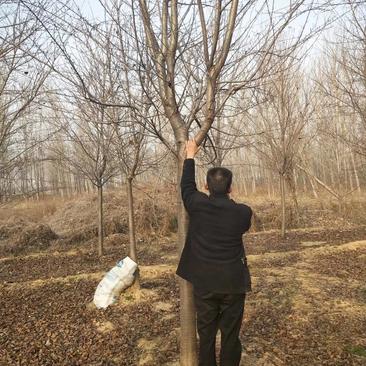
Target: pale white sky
94,10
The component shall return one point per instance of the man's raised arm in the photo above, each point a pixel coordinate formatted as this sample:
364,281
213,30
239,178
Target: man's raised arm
188,181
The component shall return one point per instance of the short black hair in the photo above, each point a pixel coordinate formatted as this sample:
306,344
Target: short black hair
219,180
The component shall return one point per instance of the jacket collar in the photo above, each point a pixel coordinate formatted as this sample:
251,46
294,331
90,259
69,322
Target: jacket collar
220,195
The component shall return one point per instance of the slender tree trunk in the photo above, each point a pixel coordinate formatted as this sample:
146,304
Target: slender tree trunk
331,176
290,179
245,185
254,185
131,221
100,220
305,189
37,176
269,184
69,183
315,193
43,183
356,174
283,206
347,174
219,158
338,177
131,229
296,182
188,340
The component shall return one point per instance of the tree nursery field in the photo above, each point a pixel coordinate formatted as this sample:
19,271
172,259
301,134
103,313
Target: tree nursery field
102,101
307,307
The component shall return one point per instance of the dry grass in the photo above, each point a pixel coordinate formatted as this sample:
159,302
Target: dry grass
20,236
323,211
77,219
31,210
37,224
29,225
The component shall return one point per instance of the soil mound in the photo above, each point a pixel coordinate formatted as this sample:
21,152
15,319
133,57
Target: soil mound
20,236
11,227
76,220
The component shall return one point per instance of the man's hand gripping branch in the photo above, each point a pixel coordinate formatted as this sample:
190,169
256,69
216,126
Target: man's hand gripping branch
191,149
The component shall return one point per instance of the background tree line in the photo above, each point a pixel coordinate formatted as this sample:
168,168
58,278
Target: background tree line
89,102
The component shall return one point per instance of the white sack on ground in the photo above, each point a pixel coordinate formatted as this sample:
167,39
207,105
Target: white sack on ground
114,282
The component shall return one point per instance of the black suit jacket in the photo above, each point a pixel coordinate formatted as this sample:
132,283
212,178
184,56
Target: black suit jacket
213,258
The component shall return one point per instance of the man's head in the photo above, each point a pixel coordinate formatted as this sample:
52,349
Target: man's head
219,180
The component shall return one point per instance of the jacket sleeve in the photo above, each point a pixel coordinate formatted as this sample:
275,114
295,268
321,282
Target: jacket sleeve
248,213
188,184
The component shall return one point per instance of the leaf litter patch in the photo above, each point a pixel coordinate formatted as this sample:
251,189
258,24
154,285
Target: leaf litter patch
347,264
297,316
263,242
291,318
52,325
32,267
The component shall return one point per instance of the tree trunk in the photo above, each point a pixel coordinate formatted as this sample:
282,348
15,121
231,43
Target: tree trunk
219,158
188,340
131,229
131,221
356,174
37,179
290,179
283,206
100,220
269,184
315,193
244,185
254,185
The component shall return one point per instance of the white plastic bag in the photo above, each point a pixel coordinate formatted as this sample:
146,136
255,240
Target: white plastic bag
117,279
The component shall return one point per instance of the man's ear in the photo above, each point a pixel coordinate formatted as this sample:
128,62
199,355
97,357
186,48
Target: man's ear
206,186
229,190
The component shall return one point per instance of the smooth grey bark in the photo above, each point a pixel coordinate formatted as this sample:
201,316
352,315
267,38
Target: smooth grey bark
131,221
100,221
283,205
132,229
188,340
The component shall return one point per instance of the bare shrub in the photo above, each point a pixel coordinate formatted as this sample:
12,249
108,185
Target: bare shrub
29,237
75,221
31,210
154,218
36,236
10,227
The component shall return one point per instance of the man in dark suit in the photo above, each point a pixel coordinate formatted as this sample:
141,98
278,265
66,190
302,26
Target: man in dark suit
213,260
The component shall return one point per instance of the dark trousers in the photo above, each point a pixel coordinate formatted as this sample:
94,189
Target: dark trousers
214,312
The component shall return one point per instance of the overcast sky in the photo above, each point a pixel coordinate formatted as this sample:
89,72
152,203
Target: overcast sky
94,10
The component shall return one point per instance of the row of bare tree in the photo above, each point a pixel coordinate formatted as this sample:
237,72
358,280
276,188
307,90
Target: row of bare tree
89,101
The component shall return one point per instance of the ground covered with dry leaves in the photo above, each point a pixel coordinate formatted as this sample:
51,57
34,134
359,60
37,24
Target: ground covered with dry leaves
308,305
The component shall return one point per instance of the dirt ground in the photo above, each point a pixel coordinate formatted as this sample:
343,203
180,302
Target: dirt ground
308,305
